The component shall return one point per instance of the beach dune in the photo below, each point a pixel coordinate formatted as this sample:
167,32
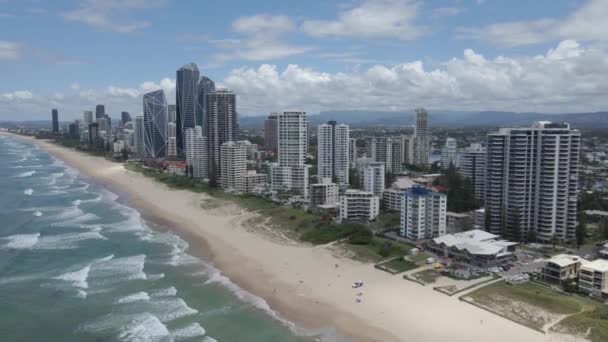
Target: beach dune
301,282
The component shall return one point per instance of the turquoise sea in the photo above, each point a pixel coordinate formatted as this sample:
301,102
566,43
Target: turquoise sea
78,265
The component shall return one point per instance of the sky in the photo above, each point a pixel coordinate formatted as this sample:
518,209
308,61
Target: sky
315,55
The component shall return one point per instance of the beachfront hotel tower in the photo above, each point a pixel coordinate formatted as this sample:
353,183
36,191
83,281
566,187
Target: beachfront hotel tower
271,132
221,126
422,138
333,151
423,213
196,152
204,87
155,124
291,171
55,120
472,165
532,182
185,101
138,137
234,166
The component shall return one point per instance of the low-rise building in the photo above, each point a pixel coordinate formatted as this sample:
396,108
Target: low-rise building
359,205
253,180
392,199
324,193
593,278
562,268
476,248
458,222
479,218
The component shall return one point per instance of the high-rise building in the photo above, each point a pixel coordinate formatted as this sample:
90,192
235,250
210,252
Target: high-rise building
333,148
172,114
381,150
125,117
73,129
359,205
221,126
100,111
271,132
138,137
472,165
448,153
373,177
234,166
55,120
532,182
291,172
204,87
185,101
87,117
422,138
171,140
352,150
155,124
93,133
396,159
423,213
196,152
103,124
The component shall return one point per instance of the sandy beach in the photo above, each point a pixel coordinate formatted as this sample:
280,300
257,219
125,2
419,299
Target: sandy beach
298,281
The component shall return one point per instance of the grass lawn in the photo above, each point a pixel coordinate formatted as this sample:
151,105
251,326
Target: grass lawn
397,265
427,276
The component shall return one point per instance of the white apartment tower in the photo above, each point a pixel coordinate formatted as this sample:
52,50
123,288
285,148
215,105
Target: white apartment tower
233,157
359,205
333,151
532,182
422,138
423,213
448,153
196,152
373,177
472,165
291,172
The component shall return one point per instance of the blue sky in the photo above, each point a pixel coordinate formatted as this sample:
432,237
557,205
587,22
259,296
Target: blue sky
312,55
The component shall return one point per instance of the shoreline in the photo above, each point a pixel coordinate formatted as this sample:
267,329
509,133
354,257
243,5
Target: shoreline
299,282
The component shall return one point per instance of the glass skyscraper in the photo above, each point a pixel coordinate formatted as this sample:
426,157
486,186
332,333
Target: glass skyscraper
185,101
205,86
220,125
155,124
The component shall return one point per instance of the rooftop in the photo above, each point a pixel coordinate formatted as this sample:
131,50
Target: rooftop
563,260
599,265
475,241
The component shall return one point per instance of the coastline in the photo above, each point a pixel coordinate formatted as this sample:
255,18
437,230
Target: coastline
298,281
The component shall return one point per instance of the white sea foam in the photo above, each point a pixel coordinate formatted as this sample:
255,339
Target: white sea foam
168,292
76,202
77,278
81,294
209,339
54,177
156,276
66,241
189,331
134,297
37,213
145,327
170,309
216,277
120,269
25,174
28,192
21,241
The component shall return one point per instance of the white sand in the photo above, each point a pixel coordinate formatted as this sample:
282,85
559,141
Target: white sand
301,282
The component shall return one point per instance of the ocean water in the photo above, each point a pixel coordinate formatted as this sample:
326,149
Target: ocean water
77,265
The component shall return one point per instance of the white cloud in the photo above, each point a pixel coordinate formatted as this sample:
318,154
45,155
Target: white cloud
262,38
588,23
18,95
106,14
372,18
566,78
10,49
117,91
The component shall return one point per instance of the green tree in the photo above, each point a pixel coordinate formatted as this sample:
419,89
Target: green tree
581,229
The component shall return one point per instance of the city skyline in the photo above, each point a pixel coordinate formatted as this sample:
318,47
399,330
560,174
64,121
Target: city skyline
422,55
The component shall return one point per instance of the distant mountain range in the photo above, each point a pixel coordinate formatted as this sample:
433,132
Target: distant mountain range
446,119
439,118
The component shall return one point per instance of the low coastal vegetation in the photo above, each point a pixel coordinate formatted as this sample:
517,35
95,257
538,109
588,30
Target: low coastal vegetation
543,309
